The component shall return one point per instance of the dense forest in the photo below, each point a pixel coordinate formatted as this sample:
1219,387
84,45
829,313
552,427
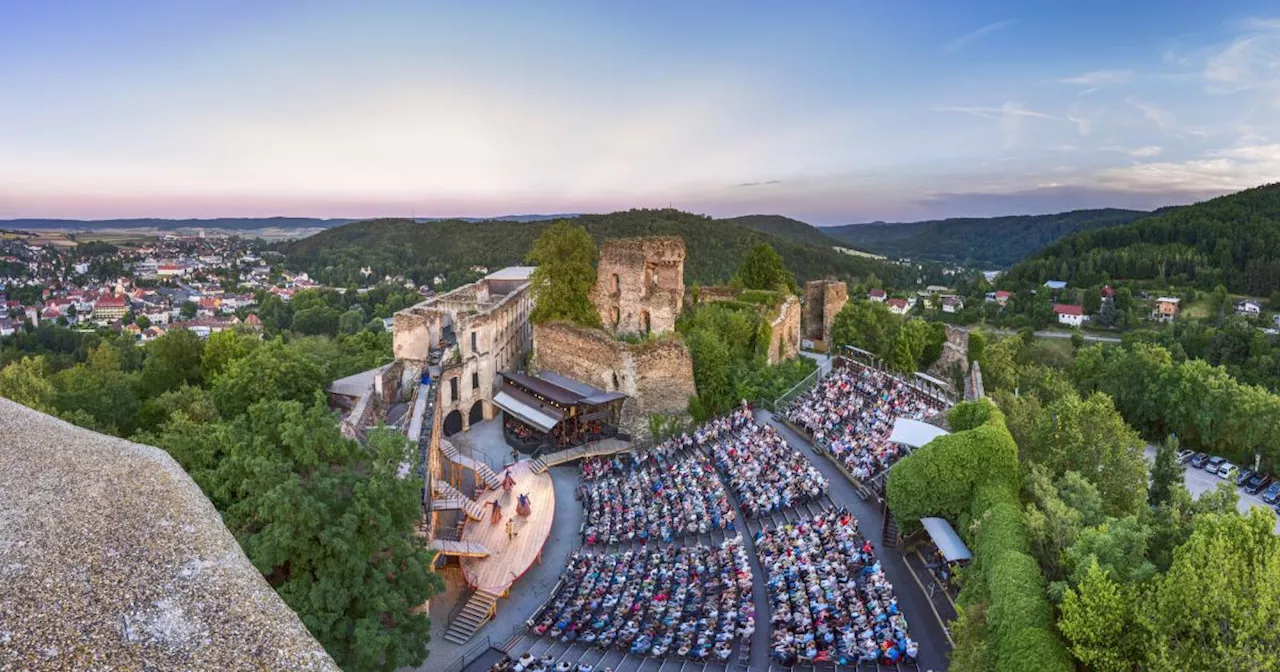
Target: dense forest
1232,240
978,241
420,251
785,227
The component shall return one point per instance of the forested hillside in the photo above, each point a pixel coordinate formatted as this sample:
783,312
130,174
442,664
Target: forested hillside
1232,240
977,241
785,227
715,248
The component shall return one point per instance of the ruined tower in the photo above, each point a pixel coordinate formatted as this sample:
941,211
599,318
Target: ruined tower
640,284
823,299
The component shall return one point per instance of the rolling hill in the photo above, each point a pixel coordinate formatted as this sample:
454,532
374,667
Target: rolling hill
980,241
1233,240
785,227
421,250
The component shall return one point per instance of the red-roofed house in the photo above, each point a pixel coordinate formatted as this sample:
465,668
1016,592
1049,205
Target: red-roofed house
1072,316
898,306
877,295
110,307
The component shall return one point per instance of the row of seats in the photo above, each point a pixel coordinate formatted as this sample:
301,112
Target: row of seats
764,471
689,601
850,414
663,496
830,600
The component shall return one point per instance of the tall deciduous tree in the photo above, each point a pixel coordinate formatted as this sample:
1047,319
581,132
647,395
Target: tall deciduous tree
1166,473
562,282
763,268
172,361
1097,622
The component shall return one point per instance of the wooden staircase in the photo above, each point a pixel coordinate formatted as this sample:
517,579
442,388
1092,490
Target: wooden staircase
483,472
478,610
538,466
448,497
462,549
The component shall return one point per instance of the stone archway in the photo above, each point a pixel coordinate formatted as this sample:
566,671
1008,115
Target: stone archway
476,415
452,423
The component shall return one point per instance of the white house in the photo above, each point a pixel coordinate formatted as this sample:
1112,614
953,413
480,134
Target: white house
952,304
877,295
1072,316
1055,284
898,306
1248,308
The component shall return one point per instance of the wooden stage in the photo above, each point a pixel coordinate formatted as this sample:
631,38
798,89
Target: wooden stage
509,559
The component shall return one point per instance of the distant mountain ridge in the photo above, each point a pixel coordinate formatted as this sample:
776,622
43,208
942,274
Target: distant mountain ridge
785,227
422,250
1233,240
977,241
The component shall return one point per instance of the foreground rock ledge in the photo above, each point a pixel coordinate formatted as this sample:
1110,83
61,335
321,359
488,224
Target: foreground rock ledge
112,558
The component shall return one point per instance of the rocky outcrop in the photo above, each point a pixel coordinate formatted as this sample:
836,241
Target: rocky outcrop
112,558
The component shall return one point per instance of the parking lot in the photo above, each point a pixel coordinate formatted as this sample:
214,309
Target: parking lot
1199,480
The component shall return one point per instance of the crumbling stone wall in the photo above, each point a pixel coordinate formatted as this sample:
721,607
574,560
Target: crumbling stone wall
823,300
656,376
784,337
640,284
955,353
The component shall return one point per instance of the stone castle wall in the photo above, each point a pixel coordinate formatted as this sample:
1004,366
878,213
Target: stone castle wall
640,284
784,337
656,376
955,353
823,300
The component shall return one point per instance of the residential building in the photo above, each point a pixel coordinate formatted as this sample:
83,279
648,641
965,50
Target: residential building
952,304
110,307
877,295
898,306
1055,284
1072,316
1166,308
1248,308
1002,298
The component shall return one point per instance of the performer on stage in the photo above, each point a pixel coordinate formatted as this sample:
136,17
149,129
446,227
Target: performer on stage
522,506
497,513
508,482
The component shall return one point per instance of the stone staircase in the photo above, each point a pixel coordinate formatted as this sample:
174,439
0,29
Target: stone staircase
483,472
478,610
448,497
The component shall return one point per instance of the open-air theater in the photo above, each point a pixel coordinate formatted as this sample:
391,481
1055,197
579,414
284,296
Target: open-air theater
548,412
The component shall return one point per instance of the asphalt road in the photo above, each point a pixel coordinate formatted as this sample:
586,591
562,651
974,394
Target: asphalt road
1050,333
1199,481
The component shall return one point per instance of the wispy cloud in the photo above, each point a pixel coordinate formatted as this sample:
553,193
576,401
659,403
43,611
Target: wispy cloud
1010,116
1143,152
759,184
1161,117
1099,78
1250,62
969,38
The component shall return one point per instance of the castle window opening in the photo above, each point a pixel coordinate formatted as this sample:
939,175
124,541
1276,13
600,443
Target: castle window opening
617,284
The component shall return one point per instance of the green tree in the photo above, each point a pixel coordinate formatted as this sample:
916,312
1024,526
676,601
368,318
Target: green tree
763,268
1098,623
1166,473
561,284
144,322
272,371
351,321
711,370
26,381
188,310
222,348
315,320
867,325
172,360
977,349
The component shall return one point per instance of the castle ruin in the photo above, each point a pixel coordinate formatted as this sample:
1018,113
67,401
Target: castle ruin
640,284
823,300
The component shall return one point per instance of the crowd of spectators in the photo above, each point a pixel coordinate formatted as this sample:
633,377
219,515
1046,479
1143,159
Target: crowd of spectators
690,601
850,414
765,472
527,662
663,496
830,601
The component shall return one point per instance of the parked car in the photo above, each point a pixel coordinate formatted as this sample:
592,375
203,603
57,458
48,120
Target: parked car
1272,494
1258,483
1213,463
1199,460
1244,475
1185,455
1227,470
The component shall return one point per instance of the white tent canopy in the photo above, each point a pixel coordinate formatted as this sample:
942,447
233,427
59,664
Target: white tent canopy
945,538
914,433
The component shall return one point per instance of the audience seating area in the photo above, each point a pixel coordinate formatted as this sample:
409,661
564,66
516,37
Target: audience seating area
830,601
850,414
663,497
686,601
765,472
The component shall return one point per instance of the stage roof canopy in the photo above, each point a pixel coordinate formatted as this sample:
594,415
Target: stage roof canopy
532,414
945,538
914,433
563,390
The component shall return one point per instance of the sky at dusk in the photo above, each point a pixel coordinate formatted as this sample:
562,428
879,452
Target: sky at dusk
830,112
